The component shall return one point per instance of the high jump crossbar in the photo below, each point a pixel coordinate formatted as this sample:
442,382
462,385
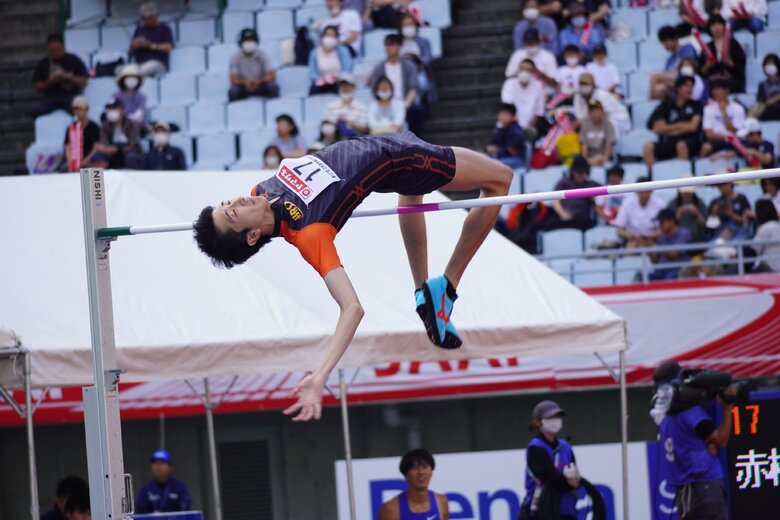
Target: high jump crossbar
579,193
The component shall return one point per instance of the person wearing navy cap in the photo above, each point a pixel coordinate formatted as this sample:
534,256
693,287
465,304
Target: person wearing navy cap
162,494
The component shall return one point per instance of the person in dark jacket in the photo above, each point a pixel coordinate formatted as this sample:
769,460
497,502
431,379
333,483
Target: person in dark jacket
507,144
162,494
70,485
162,155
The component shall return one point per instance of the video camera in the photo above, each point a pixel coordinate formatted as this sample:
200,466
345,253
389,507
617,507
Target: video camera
695,386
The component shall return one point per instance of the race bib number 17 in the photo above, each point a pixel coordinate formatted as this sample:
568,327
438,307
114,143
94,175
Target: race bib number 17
306,176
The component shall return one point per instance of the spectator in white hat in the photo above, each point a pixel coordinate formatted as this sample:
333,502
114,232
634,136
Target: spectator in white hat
129,94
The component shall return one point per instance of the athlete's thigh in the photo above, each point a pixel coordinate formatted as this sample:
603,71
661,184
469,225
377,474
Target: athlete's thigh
475,171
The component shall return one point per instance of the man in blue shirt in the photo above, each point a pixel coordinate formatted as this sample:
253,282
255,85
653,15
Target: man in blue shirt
162,494
690,441
507,144
662,83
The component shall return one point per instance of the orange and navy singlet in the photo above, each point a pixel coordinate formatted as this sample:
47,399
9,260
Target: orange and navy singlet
317,193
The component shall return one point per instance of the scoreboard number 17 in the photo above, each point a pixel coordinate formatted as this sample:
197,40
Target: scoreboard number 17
754,410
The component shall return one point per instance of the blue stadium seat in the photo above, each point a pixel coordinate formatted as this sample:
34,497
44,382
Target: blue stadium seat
706,166
116,38
219,56
290,106
541,180
275,24
293,81
215,151
188,60
314,107
436,13
561,242
628,269
631,144
770,130
176,114
434,36
563,267
623,55
99,91
309,14
751,190
253,144
600,234
203,7
374,44
315,2
657,18
598,174
754,74
200,31
633,171
248,114
364,95
235,22
206,118
243,5
50,129
85,40
747,100
671,169
640,113
44,157
213,87
362,72
652,55
707,194
283,4
178,89
310,133
151,89
773,16
766,42
593,272
748,43
86,11
634,19
638,86
185,143
274,50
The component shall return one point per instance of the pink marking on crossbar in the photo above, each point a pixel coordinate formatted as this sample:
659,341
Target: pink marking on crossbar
418,208
580,193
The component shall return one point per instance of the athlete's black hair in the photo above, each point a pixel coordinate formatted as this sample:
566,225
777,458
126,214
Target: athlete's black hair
413,456
78,502
71,484
225,249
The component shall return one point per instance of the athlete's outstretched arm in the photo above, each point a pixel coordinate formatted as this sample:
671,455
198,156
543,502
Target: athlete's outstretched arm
309,390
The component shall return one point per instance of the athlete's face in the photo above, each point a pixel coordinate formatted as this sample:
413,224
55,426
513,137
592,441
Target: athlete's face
241,213
419,475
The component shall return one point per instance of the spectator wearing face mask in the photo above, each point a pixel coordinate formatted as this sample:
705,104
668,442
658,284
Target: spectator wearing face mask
272,157
544,25
152,42
580,32
722,117
386,114
327,62
349,24
507,144
597,11
597,136
605,74
527,95
130,95
251,71
550,465
745,14
729,62
689,68
349,114
120,140
329,134
544,61
162,155
567,76
417,49
767,107
617,114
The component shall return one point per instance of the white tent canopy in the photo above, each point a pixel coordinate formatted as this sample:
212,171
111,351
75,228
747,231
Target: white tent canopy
176,316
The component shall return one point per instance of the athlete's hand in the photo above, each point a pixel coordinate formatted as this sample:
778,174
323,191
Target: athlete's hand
309,394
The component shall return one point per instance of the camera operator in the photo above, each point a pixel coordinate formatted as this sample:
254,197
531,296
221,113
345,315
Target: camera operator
690,441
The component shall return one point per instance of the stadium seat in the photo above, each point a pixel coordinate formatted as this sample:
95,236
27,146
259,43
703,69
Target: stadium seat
633,171
652,55
308,14
562,267
178,89
86,11
188,60
374,44
219,56
598,174
747,100
434,36
235,22
707,194
561,242
770,130
600,234
706,166
274,50
85,40
436,13
206,118
50,129
362,73
44,157
283,4
215,151
315,2
640,113
765,41
751,190
638,86
293,81
541,180
657,18
310,133
275,24
151,89
314,107
623,55
213,87
99,91
197,31
290,106
635,20
593,272
671,169
116,38
774,16
176,114
754,74
631,144
748,43
185,143
248,114
253,144
203,7
243,5
364,95
628,269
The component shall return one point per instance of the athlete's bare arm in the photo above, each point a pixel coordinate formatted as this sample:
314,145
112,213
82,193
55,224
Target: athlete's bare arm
389,510
309,390
444,506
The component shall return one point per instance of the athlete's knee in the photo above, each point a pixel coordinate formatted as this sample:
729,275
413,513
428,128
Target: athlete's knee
500,179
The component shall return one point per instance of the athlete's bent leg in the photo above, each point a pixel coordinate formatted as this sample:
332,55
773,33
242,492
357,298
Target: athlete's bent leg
415,239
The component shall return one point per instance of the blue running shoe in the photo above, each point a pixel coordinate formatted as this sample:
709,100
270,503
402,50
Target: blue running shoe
422,311
439,298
